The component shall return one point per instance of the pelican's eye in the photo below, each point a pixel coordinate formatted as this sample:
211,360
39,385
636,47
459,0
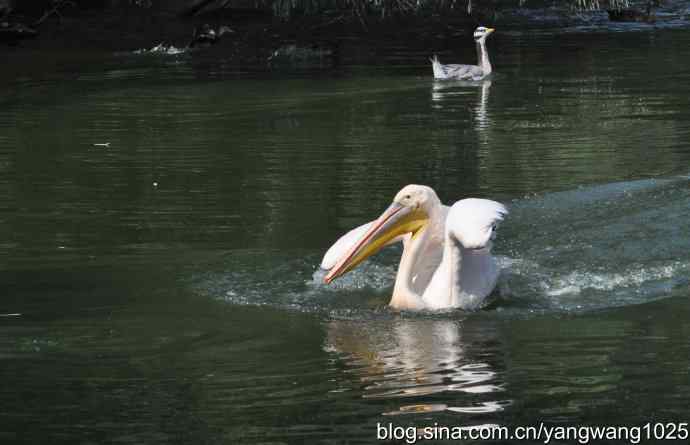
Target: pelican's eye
408,197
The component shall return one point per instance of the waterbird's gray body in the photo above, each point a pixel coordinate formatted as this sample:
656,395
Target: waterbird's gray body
467,72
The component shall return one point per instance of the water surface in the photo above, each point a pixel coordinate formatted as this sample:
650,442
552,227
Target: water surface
164,288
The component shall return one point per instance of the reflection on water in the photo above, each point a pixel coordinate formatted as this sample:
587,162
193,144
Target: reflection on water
417,358
444,91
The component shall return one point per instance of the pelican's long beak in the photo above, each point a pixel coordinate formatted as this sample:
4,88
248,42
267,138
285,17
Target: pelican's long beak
395,221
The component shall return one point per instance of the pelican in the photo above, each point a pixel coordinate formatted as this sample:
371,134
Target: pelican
473,72
424,210
446,260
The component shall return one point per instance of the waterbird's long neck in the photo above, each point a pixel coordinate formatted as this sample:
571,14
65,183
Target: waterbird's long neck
419,259
483,57
404,296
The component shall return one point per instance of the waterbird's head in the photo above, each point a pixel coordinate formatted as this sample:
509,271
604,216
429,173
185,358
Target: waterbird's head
409,213
473,222
481,33
417,196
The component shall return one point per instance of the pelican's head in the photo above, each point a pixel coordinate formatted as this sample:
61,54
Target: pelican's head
417,196
473,222
408,214
481,33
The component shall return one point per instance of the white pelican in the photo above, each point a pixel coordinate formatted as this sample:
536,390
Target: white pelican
446,260
422,209
473,72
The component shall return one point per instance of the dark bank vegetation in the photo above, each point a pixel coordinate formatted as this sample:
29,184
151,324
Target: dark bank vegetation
128,24
286,9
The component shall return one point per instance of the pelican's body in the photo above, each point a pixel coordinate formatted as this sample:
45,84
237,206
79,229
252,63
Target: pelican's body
468,272
467,72
446,260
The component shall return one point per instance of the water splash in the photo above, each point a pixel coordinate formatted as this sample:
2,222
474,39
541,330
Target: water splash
586,249
576,282
161,48
371,275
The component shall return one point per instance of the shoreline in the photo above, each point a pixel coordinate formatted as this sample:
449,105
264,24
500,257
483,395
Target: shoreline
256,36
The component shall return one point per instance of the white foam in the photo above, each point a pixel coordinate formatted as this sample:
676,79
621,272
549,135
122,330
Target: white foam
162,48
578,281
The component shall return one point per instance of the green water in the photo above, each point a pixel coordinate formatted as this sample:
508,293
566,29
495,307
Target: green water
164,289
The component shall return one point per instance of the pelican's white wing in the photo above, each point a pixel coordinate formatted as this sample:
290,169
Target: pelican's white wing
475,220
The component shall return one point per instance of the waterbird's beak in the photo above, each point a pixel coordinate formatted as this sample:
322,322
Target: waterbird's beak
490,30
396,220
